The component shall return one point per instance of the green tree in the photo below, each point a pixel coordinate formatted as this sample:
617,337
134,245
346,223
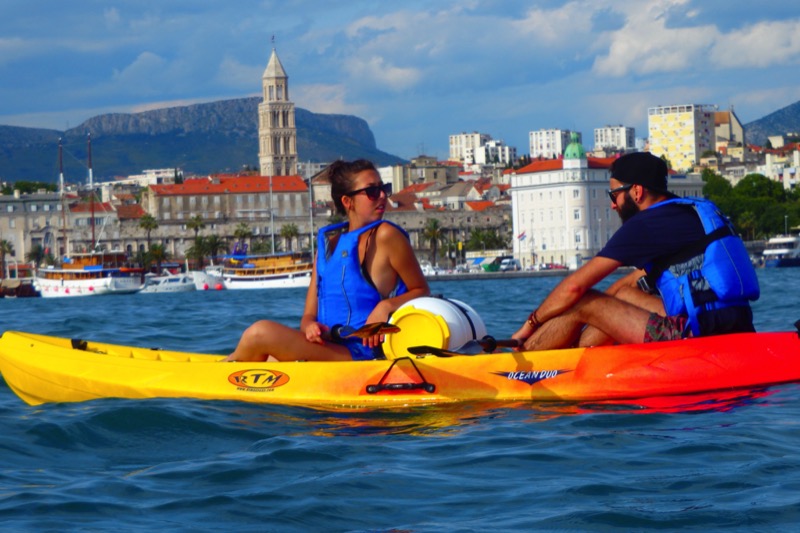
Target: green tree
485,239
214,245
197,251
242,233
716,187
196,223
148,223
158,254
6,248
36,255
288,233
433,234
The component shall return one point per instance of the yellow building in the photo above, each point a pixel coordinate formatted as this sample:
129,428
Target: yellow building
681,133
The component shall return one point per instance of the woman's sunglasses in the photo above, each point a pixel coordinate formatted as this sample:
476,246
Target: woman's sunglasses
373,192
614,192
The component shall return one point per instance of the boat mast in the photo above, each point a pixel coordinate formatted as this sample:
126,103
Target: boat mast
62,198
91,187
271,215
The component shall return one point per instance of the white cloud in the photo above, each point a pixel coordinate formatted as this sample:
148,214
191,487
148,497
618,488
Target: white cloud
232,73
142,71
377,70
645,45
760,45
558,27
322,98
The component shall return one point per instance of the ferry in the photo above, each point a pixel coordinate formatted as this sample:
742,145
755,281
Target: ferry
782,251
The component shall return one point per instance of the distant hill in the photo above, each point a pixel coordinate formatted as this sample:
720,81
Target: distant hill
780,122
201,139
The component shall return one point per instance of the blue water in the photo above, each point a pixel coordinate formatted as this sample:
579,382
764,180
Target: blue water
182,465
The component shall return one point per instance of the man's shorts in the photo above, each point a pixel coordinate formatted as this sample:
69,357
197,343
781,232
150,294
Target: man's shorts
664,328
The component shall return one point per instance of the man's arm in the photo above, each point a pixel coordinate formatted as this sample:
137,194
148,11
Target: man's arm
564,296
573,287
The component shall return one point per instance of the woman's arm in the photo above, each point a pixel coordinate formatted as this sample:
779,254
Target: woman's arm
308,323
394,253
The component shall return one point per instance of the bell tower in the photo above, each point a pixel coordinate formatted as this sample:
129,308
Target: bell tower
277,134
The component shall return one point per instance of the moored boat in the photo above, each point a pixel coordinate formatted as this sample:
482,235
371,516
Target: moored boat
782,251
89,274
288,270
43,369
167,282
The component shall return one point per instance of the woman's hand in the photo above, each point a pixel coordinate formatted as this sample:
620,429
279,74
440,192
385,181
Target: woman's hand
314,332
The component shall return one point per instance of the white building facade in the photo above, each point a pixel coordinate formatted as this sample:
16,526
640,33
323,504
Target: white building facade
549,144
495,152
560,210
616,138
464,146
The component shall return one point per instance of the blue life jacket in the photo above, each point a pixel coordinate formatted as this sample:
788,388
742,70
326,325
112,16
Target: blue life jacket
344,294
713,273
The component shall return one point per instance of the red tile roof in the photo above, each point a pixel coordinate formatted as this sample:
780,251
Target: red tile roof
130,211
481,205
232,184
86,207
415,188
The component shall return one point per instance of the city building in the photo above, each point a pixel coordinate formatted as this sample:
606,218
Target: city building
681,133
560,211
277,133
615,139
561,214
495,153
549,144
463,146
728,130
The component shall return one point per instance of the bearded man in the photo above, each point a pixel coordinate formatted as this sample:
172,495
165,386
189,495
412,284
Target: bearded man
693,274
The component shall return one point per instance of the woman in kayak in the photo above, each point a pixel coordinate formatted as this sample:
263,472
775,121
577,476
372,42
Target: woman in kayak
365,269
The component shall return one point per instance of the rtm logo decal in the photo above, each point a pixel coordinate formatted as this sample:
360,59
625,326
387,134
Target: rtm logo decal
258,379
531,376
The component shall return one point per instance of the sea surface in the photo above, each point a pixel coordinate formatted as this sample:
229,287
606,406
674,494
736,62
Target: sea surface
731,463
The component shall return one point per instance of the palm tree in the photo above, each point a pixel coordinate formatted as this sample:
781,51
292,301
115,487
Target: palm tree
241,234
157,253
148,223
37,255
195,224
213,245
197,251
433,233
5,248
289,232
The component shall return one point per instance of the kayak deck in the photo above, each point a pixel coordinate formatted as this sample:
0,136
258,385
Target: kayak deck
42,369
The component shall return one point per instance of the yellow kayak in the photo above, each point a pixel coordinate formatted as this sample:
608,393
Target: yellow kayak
43,369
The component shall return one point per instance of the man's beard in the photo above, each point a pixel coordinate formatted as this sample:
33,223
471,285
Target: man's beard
628,209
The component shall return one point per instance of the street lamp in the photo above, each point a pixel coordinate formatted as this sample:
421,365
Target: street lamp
786,224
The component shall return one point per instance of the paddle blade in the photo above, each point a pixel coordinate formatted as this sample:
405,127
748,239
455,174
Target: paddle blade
370,330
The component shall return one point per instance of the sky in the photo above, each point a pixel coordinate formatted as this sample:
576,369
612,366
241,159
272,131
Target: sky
416,71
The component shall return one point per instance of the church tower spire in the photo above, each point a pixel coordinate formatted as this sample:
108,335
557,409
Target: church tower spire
277,134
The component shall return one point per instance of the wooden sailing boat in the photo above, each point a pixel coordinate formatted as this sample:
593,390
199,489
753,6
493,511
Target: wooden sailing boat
92,273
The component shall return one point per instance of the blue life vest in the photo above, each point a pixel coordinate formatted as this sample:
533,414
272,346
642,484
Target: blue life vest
713,273
344,295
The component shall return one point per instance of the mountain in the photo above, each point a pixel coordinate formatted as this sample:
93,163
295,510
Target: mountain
780,122
200,139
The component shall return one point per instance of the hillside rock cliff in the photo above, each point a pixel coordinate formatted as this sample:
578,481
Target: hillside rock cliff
203,138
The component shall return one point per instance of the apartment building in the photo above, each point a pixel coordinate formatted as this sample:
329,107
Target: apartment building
615,138
681,133
549,144
463,146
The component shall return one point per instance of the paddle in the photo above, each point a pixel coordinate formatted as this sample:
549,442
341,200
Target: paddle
339,333
473,347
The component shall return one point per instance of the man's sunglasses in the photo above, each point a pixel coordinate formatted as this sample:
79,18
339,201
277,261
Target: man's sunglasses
373,192
614,192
